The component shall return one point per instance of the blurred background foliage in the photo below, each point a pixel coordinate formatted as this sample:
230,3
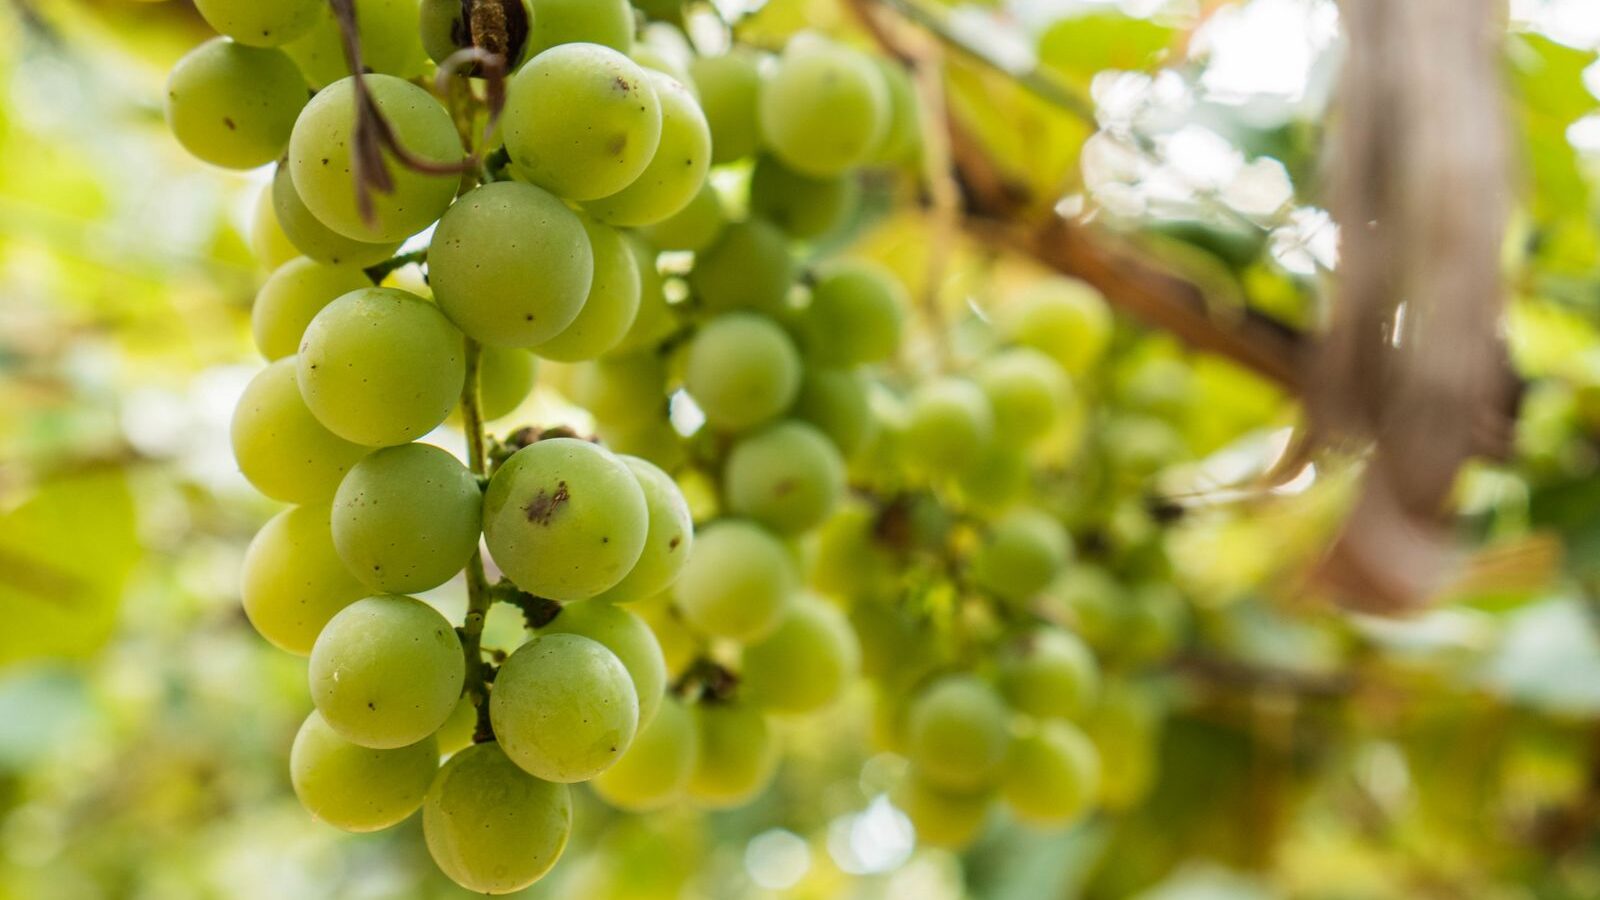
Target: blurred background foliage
1259,742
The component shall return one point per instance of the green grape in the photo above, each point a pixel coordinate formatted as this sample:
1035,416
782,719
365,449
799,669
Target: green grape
998,480
903,136
510,265
1049,673
949,425
655,320
942,818
696,227
622,391
234,106
749,267
492,827
270,246
730,91
1063,318
260,24
835,401
581,121
667,545
321,162
1156,621
787,476
456,733
1138,446
894,649
1051,776
888,726
737,757
855,315
1094,601
677,169
565,519
825,109
1021,555
654,441
386,671
281,447
291,296
805,664
358,788
803,207
391,43
605,22
612,303
1028,392
564,707
658,59
958,733
292,581
655,769
738,583
847,560
314,239
445,30
505,378
625,635
1126,731
406,518
742,370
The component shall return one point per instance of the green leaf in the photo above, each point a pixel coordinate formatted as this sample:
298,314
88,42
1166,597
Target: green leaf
1080,46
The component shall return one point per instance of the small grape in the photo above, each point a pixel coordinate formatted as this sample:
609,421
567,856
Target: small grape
1021,555
835,401
942,818
805,664
903,136
855,315
1126,731
391,43
492,827
655,769
998,480
232,105
564,707
386,671
612,303
605,22
1064,318
260,24
291,296
626,635
737,758
730,91
677,169
1028,391
456,733
280,446
949,426
1052,775
406,518
668,543
1049,673
314,239
622,391
357,788
292,581
847,560
505,378
268,243
742,370
787,476
654,441
803,207
695,227
958,733
738,583
655,319
825,109
749,267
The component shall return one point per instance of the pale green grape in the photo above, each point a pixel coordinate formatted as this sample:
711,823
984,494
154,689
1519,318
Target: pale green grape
510,265
260,24
406,518
667,544
855,315
445,29
234,106
803,207
612,303
749,267
888,731
381,367
825,109
677,170
626,635
270,246
386,671
1027,390
294,293
654,441
581,120
564,707
623,391
893,647
835,401
695,227
314,239
456,733
565,519
358,788
492,827
805,664
321,164
1095,600
787,476
655,319
655,769
391,43
942,818
281,447
730,91
949,426
1021,555
1051,776
738,583
1126,730
958,733
998,480
606,22
1064,318
903,136
292,581
1049,673
742,370
679,645
737,757
505,378
663,60
847,560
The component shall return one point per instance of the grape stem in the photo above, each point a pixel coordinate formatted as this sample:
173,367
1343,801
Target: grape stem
400,260
479,595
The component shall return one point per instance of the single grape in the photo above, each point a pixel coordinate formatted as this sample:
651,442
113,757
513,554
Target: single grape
667,544
655,769
677,170
605,22
456,733
505,378
654,441
358,788
391,43
695,227
835,401
232,105
1028,391
902,139
730,91
805,664
958,733
803,207
314,239
492,827
1052,775
949,426
1095,601
294,293
624,634
1049,673
655,319
612,303
381,367
260,24
655,58
1064,318
787,476
622,391
510,265
848,560
737,758
406,518
738,583
825,109
386,671
321,162
1022,553
581,121
888,732
1126,730
998,480
445,30
565,519
942,818
280,446
679,645
855,316
894,648
292,581
564,707
742,370
749,267
270,246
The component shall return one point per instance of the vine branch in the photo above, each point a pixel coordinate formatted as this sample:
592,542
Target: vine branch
479,595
